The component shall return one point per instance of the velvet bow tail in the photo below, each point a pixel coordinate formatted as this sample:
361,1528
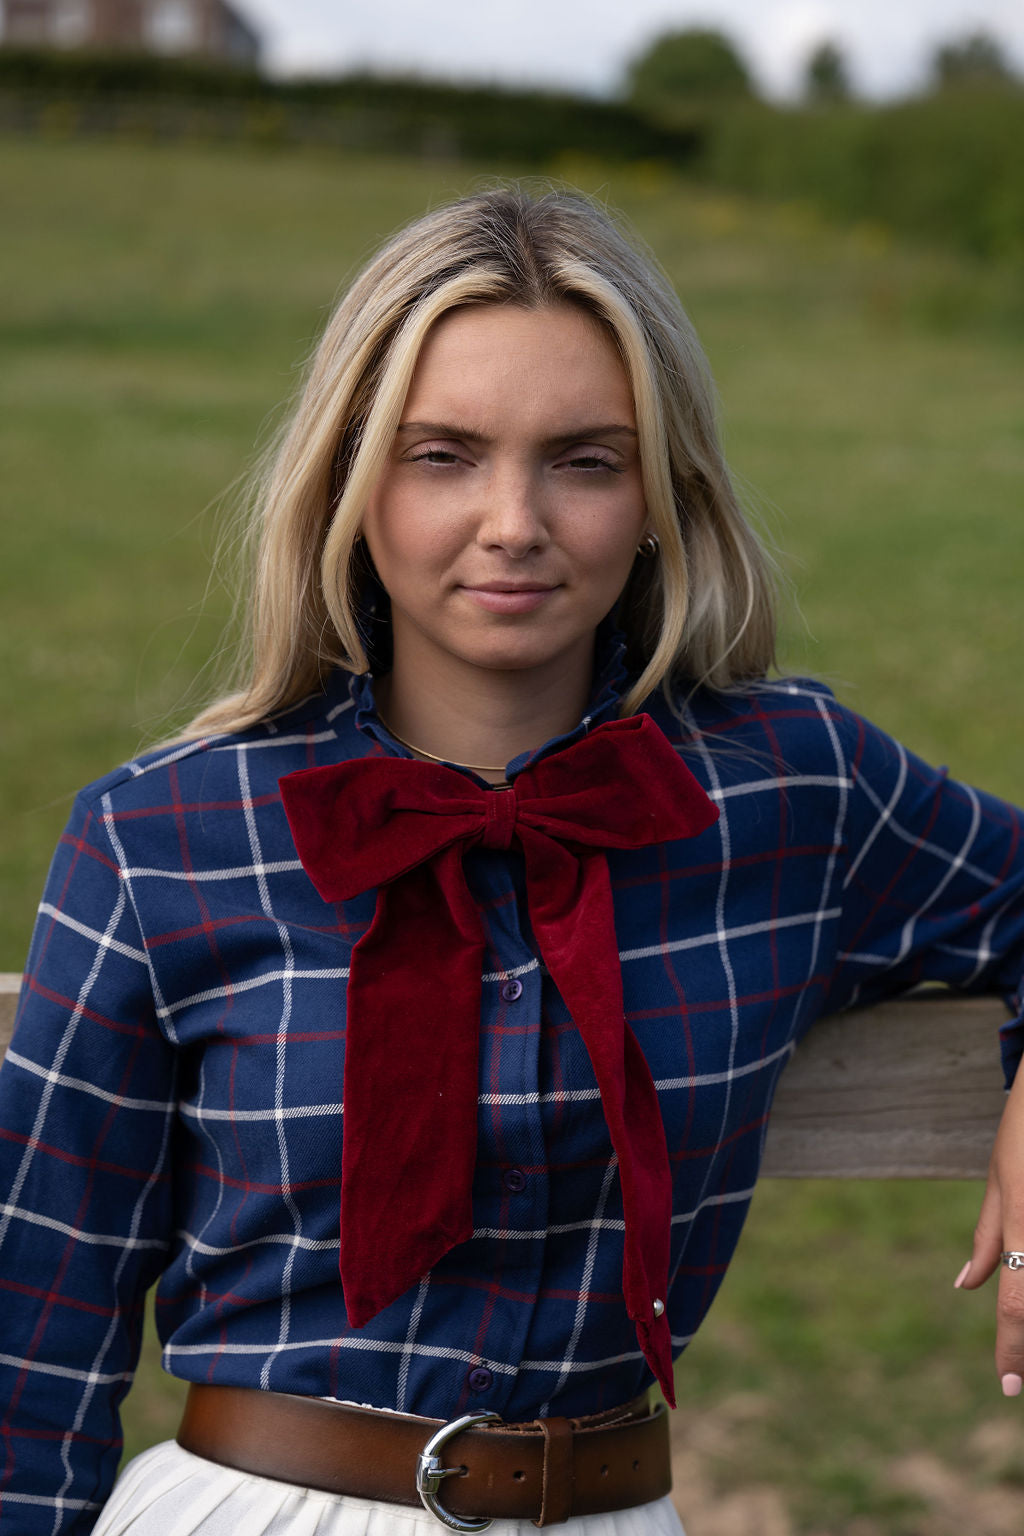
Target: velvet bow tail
410,1086
573,918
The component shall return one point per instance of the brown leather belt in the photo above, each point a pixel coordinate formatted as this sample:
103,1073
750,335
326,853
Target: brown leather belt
542,1471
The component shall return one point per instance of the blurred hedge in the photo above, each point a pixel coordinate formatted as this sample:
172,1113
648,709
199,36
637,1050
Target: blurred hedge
91,93
945,168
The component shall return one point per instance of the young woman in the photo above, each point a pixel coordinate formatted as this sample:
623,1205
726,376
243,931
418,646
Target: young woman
415,1020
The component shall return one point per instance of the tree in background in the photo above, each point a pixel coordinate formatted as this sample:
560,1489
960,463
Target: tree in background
977,60
826,77
685,69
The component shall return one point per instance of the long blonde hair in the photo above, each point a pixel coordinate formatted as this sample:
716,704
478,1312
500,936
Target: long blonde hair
703,611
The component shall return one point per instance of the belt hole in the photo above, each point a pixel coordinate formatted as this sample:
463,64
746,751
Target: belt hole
636,1466
463,1471
518,1476
604,1471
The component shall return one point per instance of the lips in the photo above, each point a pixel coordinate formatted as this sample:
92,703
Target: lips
512,586
508,596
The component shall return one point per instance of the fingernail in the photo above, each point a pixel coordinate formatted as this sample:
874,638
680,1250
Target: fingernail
1012,1384
962,1276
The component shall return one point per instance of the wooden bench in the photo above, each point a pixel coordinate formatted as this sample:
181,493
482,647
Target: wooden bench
908,1089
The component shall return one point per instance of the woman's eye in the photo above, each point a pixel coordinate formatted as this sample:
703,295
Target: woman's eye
591,461
434,456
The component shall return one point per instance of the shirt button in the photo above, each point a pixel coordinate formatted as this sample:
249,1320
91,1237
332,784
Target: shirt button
511,989
480,1379
514,1180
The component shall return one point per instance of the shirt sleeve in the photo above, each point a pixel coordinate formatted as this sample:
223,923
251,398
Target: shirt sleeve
86,1103
934,882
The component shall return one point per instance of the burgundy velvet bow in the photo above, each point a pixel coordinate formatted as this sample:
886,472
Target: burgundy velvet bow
413,1008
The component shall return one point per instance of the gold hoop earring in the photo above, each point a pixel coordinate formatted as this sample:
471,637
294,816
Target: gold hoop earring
649,546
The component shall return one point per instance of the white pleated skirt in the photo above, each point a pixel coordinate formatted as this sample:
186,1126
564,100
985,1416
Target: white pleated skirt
169,1492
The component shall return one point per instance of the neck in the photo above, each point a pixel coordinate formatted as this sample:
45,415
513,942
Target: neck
484,720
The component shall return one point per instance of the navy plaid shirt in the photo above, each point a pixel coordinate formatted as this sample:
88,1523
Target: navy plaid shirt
171,1105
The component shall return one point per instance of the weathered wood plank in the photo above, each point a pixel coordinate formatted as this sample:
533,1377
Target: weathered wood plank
910,1089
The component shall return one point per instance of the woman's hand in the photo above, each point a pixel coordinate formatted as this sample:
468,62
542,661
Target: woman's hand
1000,1230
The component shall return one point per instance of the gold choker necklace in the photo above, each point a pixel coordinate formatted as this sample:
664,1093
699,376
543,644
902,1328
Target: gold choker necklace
422,752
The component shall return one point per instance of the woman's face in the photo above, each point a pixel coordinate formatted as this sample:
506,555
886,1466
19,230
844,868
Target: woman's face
506,523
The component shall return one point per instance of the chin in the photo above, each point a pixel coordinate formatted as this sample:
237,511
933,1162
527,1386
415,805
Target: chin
508,662
517,657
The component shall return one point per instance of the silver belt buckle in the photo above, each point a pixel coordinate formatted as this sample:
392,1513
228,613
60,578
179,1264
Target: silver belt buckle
430,1474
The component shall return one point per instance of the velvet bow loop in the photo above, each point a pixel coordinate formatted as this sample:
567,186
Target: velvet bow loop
370,821
623,786
413,1002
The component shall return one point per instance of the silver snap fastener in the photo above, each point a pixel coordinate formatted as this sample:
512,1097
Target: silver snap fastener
658,1307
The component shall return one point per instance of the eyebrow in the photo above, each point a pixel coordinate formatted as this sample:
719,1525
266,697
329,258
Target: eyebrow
465,434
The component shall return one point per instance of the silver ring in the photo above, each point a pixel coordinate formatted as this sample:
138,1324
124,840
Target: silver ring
430,1474
1012,1259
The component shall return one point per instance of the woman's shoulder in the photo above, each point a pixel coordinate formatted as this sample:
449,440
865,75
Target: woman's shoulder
246,762
787,696
772,717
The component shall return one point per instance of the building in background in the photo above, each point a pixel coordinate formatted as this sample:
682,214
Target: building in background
208,29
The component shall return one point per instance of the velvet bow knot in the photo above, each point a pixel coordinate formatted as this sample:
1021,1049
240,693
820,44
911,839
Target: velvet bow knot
413,1003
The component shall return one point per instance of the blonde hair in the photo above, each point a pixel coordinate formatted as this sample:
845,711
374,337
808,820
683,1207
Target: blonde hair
702,612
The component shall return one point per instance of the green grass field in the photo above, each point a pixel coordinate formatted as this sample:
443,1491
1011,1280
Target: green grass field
156,305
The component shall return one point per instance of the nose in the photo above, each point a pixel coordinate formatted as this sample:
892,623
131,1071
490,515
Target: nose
512,515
